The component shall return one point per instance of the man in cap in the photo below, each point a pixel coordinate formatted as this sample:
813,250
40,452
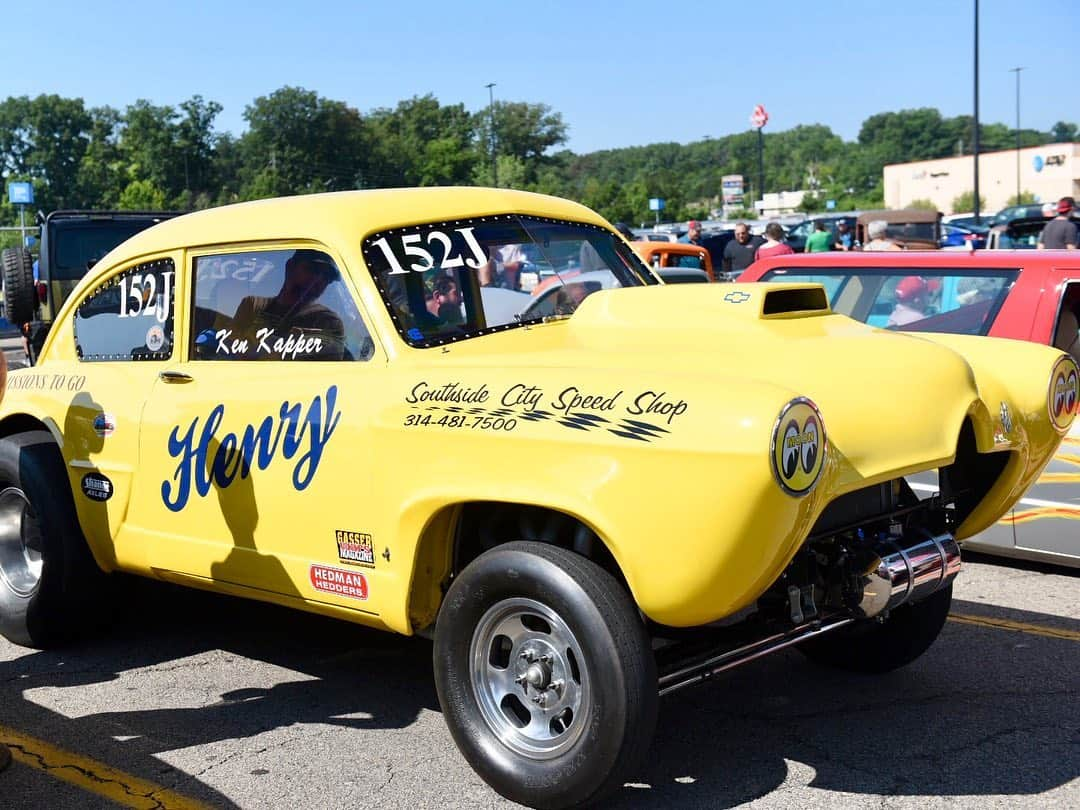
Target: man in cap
293,324
1060,233
911,295
693,233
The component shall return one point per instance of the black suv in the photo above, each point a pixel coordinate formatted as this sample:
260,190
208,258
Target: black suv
71,243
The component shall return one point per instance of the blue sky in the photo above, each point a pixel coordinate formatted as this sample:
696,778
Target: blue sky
620,74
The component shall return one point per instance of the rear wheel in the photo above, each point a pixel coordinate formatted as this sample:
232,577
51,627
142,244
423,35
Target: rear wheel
545,675
20,297
876,647
50,585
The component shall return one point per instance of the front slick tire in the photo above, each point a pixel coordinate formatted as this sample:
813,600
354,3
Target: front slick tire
50,587
873,648
545,675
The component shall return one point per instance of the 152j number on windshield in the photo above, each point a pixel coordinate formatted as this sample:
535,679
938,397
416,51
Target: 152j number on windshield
411,246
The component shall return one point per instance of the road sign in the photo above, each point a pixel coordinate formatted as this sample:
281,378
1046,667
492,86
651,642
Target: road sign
21,193
759,118
830,205
656,204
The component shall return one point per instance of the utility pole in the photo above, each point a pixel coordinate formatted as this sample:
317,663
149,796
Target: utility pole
1017,70
491,116
976,135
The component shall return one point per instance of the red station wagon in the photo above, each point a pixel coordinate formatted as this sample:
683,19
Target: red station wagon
1024,295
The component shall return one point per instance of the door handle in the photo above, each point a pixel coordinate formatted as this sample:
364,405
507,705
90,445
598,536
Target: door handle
174,377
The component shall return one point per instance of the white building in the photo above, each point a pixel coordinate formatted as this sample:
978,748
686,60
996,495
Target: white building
1049,172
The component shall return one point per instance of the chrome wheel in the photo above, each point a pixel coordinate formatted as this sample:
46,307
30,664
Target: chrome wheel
530,678
20,543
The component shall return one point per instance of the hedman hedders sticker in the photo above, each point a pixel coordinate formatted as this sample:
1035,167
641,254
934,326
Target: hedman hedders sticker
351,584
355,547
97,487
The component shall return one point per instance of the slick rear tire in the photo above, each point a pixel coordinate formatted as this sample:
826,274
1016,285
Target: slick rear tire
873,648
20,297
51,588
545,675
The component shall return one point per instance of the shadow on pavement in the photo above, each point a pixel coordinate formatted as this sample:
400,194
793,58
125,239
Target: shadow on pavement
984,712
350,670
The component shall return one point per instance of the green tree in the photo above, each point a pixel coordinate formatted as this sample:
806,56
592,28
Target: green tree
522,130
1024,198
1064,132
966,202
142,195
923,204
298,143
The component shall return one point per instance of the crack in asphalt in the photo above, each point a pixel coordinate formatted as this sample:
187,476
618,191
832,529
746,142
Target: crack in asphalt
47,767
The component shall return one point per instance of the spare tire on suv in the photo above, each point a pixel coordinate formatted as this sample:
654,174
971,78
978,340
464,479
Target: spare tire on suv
20,297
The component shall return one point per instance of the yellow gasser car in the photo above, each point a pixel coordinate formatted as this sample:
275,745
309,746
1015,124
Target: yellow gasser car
350,404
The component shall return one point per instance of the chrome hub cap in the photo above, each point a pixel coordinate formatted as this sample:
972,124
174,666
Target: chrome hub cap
530,678
20,544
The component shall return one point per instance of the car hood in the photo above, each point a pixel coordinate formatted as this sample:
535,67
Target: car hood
891,402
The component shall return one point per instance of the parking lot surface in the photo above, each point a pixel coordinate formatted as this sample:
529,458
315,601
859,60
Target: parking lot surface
193,700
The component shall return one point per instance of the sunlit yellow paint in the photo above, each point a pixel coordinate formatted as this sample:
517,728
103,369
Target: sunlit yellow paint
1019,627
693,514
92,776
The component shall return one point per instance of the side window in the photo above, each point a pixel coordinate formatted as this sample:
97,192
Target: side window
129,316
275,305
1067,329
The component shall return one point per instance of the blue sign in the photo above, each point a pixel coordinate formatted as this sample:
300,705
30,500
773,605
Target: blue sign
1038,163
21,193
830,205
656,204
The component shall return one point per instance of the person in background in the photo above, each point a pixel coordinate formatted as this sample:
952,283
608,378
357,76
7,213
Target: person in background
878,232
739,252
774,244
693,233
911,295
845,239
504,268
445,301
1060,233
820,240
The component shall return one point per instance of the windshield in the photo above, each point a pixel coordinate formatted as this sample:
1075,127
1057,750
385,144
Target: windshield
910,299
77,246
445,281
918,231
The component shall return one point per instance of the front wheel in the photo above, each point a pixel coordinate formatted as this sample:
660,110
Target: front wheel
545,675
50,586
875,647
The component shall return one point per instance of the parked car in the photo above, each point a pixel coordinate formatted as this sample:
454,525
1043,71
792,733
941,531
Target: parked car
968,221
1026,211
796,236
660,255
1031,296
910,228
71,242
957,237
282,400
1019,234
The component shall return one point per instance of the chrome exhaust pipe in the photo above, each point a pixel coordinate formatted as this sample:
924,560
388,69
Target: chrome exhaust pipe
907,573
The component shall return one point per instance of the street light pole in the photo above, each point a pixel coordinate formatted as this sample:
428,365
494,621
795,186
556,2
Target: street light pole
1017,70
491,116
976,147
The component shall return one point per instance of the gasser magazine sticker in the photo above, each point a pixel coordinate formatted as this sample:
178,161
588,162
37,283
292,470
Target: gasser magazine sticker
355,548
641,415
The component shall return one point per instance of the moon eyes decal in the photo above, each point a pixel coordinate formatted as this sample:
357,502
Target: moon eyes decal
798,447
1064,394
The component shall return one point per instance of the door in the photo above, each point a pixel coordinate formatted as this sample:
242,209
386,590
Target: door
256,455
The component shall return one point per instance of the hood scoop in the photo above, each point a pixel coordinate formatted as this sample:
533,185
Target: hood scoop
789,300
687,305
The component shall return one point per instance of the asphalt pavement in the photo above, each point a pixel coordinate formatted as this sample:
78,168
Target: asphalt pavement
193,700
